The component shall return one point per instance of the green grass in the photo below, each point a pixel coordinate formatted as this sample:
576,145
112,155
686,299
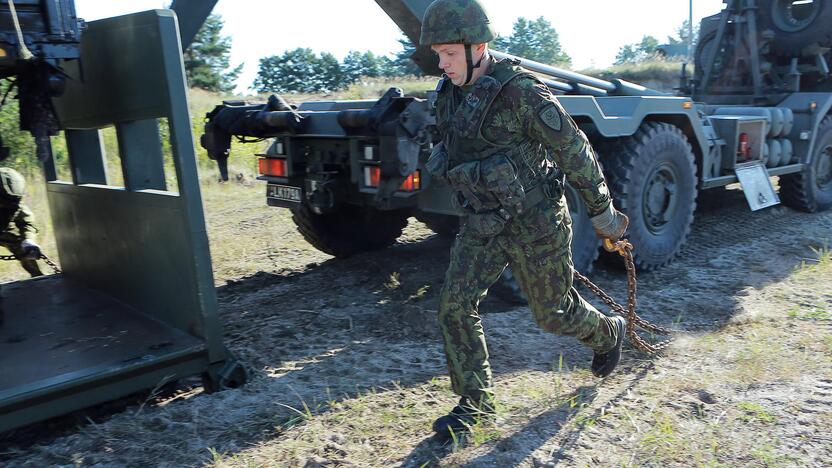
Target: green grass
662,441
821,260
754,412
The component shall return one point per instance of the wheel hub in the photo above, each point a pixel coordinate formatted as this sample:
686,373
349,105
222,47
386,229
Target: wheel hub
794,15
660,197
823,176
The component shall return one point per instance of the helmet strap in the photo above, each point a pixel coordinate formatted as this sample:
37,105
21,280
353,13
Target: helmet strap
469,62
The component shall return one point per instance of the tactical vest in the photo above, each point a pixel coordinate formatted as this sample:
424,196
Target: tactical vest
461,120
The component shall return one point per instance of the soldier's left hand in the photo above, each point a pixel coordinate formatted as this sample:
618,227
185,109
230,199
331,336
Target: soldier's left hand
611,224
31,250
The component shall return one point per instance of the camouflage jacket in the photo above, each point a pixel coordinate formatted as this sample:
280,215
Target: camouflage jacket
18,222
508,109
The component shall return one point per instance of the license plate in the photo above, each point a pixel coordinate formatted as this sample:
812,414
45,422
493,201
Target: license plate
284,192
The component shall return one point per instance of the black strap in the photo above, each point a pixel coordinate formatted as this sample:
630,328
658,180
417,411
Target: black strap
469,63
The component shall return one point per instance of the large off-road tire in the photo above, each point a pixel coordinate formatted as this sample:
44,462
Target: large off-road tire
585,243
796,24
443,225
585,246
811,189
652,175
349,229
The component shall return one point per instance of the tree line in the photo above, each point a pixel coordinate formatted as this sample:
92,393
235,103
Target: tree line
207,60
303,70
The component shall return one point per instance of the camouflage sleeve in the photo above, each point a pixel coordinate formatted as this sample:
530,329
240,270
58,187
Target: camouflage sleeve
545,121
25,222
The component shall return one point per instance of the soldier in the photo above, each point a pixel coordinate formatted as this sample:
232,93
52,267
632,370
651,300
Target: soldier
16,221
506,147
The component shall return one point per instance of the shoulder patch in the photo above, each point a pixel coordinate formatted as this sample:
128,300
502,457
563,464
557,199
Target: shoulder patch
550,115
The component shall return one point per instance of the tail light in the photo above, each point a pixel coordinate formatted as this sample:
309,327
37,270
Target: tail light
413,182
274,167
745,147
372,178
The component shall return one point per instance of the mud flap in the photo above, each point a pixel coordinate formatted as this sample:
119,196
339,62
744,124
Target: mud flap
756,185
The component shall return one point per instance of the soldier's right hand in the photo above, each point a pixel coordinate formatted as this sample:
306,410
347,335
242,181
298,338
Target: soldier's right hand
437,163
31,250
610,224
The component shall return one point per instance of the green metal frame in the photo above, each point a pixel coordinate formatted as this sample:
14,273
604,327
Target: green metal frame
141,248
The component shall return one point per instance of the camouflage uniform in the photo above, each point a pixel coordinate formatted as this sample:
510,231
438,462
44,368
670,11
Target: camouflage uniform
16,220
509,111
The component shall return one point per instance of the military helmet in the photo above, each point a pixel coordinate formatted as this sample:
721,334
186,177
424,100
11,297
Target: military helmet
456,22
12,184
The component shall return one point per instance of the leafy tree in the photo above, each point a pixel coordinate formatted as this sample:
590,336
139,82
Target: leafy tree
20,142
329,73
290,72
535,40
682,33
638,52
357,64
208,58
403,65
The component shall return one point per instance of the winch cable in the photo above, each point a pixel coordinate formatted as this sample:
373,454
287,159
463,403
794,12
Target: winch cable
43,257
625,249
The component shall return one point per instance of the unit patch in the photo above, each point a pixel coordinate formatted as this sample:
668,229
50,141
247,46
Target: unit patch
550,115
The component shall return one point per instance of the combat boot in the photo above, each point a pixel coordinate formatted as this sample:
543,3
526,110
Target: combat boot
604,363
461,418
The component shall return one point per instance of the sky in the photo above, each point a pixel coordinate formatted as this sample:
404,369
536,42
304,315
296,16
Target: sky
591,31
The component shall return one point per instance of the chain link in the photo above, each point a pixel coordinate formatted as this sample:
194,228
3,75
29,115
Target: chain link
52,264
625,249
47,260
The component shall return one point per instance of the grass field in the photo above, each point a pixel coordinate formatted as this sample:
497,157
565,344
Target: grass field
347,366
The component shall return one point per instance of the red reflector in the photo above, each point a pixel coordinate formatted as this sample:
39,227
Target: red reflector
272,167
372,178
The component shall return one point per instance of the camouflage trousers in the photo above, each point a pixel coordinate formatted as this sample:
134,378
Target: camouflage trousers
12,243
536,245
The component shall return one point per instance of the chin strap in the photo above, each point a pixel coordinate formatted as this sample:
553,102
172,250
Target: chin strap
469,61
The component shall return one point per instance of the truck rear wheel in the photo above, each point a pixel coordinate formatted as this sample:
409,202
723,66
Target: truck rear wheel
796,24
585,246
653,179
811,189
585,243
444,225
350,229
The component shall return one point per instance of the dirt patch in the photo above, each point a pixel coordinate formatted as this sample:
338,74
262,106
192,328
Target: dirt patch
348,369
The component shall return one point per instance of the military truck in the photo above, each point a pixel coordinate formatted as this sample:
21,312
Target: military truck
757,106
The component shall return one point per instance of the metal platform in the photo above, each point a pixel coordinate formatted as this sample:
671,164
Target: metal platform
58,336
135,305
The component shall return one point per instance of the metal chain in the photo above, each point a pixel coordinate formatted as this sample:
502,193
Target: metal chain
52,264
625,249
43,257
